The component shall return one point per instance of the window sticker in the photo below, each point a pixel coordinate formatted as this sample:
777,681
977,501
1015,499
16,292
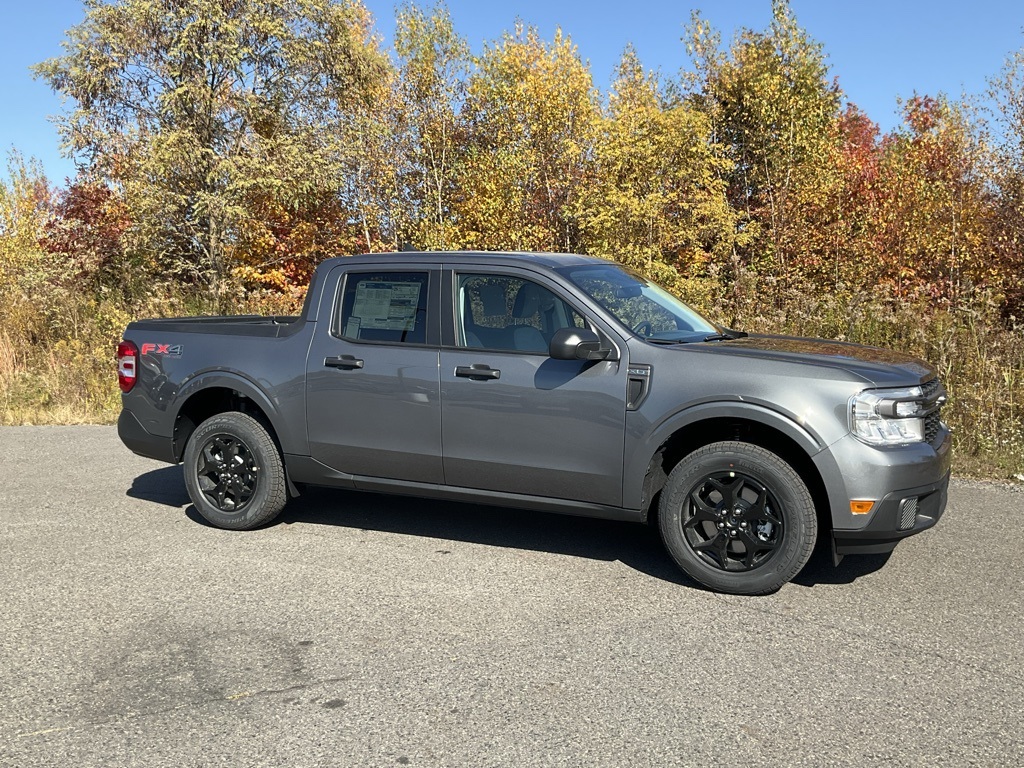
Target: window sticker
384,305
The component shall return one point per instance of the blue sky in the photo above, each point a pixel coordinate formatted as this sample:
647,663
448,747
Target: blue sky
879,49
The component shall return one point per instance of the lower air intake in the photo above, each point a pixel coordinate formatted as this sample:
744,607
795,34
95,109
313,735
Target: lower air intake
908,513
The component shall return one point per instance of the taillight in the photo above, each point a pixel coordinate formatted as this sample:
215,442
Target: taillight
127,365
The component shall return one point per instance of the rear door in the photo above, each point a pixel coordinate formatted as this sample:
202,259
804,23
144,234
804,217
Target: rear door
373,394
515,420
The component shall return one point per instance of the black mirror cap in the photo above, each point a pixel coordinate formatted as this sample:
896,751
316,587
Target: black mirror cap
576,344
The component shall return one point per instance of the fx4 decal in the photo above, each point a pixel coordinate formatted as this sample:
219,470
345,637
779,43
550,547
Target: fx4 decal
148,348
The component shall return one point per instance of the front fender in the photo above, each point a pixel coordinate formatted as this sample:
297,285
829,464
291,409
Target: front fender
641,448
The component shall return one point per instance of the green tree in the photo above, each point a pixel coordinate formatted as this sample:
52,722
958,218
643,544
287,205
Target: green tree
190,105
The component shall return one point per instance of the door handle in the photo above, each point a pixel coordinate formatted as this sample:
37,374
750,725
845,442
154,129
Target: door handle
345,362
478,371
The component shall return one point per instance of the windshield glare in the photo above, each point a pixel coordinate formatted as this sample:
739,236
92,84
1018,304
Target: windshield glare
645,308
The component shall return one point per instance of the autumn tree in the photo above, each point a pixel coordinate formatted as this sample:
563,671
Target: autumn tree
27,271
85,233
933,213
658,201
1006,94
278,246
26,203
529,115
849,242
191,106
774,113
433,66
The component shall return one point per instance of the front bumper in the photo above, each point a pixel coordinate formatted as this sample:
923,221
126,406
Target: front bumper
915,474
884,532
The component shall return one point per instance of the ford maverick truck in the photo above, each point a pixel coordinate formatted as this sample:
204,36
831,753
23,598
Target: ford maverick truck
549,382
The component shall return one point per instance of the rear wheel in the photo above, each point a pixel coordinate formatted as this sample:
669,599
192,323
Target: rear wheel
234,473
737,518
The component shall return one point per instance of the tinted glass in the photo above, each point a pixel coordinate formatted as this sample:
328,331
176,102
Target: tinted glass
510,313
384,306
637,303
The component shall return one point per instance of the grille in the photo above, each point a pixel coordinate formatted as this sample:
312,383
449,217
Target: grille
933,421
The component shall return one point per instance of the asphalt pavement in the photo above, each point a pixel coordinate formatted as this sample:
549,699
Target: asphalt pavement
365,630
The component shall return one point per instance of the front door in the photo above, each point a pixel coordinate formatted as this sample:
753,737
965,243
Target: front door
515,420
372,389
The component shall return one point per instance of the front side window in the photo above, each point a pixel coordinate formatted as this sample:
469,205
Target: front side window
384,307
509,313
640,305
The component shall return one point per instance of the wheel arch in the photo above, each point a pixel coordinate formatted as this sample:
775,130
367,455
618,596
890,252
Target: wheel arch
754,425
206,396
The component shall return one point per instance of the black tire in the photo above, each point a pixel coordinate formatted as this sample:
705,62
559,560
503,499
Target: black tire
234,473
737,518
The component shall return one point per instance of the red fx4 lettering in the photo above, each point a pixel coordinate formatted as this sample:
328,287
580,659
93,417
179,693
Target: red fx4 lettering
149,348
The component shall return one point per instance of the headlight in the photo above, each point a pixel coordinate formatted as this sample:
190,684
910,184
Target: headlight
888,416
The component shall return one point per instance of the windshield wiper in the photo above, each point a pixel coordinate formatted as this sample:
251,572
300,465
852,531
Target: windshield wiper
692,339
727,336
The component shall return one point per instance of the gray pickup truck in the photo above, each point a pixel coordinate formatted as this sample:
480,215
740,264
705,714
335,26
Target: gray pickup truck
550,382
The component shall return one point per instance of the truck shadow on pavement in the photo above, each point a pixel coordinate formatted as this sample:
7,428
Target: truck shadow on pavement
636,546
164,486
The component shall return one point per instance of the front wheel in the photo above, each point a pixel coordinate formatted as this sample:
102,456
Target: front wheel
737,518
234,473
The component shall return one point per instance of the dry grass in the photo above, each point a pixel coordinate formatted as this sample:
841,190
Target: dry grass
57,350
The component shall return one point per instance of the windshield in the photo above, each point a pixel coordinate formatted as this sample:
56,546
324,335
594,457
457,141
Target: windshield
639,304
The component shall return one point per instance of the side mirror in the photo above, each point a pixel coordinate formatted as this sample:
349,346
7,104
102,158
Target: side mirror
576,344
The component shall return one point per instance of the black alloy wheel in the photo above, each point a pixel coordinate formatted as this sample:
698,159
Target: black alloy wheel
234,472
732,522
737,518
227,473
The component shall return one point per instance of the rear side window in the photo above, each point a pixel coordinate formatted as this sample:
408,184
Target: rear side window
384,307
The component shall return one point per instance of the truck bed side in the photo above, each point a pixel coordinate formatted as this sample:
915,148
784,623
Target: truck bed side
233,325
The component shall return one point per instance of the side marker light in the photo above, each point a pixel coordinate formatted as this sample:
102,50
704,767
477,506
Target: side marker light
861,507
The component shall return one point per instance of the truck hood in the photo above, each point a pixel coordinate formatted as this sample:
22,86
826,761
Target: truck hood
883,367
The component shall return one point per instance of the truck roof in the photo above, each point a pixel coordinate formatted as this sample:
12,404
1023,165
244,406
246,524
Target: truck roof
456,257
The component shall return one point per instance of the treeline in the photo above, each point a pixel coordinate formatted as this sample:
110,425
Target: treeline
226,148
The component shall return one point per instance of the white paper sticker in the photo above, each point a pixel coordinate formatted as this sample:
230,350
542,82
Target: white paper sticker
385,305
